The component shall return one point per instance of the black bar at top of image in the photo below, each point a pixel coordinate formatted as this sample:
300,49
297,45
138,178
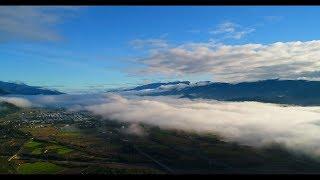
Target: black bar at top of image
159,2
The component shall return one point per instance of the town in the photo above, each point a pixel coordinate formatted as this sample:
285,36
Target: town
40,116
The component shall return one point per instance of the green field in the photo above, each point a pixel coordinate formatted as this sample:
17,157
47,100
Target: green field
38,148
5,166
32,144
39,168
61,150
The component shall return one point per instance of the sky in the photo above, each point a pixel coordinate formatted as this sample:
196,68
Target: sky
89,48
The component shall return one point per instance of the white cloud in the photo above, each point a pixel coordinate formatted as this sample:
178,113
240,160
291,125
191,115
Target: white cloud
226,27
149,43
173,86
240,34
32,23
20,102
135,129
231,30
250,123
236,63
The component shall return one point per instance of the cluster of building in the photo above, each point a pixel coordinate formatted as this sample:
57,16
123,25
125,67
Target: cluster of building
55,116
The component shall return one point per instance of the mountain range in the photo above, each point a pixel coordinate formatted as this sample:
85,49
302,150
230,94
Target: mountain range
23,89
294,92
2,92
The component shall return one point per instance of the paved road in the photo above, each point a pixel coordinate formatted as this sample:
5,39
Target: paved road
163,166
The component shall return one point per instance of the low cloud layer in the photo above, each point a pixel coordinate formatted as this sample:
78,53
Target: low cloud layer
18,101
135,129
251,123
236,63
76,102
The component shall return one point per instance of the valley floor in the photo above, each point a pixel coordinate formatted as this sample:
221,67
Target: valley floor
86,144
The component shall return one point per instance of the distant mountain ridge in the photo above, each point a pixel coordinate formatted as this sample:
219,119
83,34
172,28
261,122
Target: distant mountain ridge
23,89
157,85
294,92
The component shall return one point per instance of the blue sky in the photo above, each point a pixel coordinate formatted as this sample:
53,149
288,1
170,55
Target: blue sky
89,48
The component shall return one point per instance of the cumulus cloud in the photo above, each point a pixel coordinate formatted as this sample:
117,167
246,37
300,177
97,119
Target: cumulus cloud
236,63
32,23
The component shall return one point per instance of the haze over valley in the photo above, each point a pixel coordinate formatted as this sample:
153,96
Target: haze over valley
159,90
